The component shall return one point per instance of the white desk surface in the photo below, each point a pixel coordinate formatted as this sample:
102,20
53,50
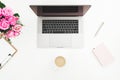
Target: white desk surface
31,63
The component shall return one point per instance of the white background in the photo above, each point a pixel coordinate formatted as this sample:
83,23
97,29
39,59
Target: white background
32,63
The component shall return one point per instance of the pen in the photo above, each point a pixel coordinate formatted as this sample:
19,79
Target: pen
99,29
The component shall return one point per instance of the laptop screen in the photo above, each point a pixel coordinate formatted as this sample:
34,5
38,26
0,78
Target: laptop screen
59,9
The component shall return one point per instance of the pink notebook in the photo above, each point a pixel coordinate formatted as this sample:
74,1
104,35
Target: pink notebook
103,54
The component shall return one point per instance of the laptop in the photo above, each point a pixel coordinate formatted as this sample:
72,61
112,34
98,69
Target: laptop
60,26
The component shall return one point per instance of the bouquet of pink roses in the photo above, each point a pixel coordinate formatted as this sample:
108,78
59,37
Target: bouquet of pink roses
10,25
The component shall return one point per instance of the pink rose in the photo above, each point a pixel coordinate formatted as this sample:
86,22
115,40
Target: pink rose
7,12
12,20
9,34
16,34
4,25
17,28
0,12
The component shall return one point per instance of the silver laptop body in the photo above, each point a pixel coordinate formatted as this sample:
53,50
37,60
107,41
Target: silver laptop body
60,32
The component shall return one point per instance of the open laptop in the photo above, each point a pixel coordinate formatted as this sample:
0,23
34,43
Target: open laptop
60,26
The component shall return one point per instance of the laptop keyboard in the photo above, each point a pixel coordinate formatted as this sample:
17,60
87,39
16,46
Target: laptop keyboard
59,26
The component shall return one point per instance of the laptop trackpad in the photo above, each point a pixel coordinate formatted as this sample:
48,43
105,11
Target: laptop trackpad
60,41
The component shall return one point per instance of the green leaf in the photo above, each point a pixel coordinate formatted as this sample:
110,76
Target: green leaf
22,25
17,15
2,5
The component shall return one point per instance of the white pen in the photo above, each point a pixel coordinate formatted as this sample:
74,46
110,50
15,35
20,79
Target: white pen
99,29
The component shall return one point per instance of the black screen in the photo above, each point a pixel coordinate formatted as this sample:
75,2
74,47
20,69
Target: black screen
59,9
